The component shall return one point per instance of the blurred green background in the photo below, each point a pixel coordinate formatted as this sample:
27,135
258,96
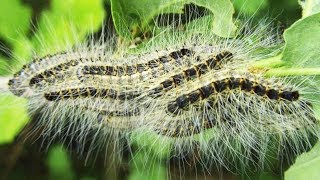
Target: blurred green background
24,24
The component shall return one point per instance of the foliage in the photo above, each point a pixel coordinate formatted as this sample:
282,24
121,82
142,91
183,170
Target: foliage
305,166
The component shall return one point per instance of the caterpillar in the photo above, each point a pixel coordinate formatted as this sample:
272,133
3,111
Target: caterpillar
193,91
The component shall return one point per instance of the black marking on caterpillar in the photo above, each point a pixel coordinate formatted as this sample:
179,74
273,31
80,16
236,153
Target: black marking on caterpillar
85,92
30,72
133,112
36,61
190,73
13,84
230,83
52,72
136,68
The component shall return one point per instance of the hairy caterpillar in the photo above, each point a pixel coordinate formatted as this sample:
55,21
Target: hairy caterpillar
192,91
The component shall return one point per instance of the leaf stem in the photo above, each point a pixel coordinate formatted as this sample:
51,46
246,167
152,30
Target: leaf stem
272,62
292,72
274,66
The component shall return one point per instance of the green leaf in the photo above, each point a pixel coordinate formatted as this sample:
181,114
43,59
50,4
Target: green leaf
131,17
301,52
309,7
14,20
223,11
250,8
306,166
303,42
13,117
67,23
128,15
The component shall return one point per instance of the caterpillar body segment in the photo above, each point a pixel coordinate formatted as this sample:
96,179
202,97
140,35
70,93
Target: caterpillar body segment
227,84
128,70
84,92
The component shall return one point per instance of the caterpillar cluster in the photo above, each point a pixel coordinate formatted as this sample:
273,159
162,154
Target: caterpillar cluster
194,92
